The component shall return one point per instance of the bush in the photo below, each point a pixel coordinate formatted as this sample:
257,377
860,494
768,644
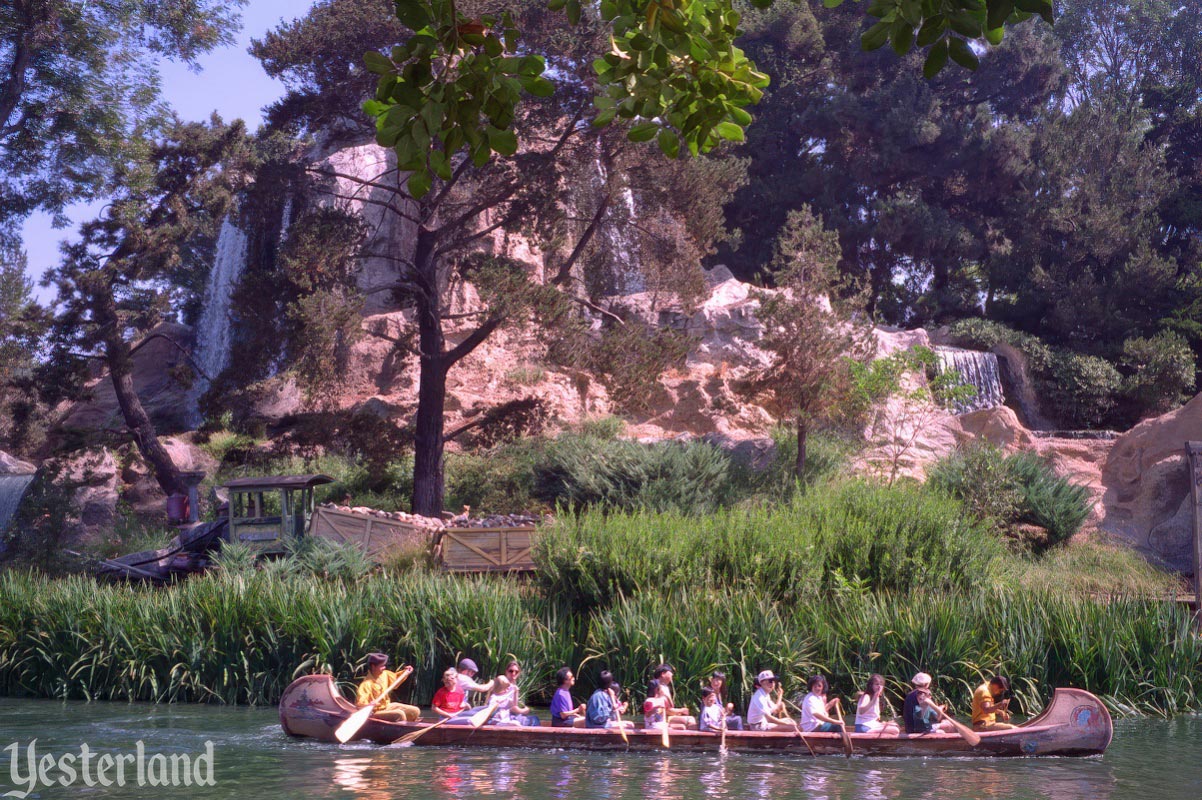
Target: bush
1080,390
855,534
1160,373
1007,491
580,471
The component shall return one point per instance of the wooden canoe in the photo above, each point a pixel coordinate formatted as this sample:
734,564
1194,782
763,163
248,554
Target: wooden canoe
1075,723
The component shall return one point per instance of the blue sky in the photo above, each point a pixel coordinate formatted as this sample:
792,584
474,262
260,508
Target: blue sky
230,82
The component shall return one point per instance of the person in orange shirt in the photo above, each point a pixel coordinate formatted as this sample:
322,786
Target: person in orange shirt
990,706
377,681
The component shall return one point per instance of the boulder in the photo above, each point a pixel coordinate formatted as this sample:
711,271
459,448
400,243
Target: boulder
999,426
1146,485
11,465
162,378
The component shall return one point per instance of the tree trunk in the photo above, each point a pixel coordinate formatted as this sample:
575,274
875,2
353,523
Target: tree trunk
136,419
802,432
428,436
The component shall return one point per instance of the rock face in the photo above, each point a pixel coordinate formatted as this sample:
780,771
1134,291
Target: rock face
1147,491
162,376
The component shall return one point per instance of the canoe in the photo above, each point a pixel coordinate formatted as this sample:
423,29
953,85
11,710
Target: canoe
1075,723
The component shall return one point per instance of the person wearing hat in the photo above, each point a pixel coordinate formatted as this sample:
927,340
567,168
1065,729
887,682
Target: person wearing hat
920,714
764,713
376,683
466,678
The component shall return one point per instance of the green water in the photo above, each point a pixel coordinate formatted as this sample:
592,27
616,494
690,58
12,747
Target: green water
253,759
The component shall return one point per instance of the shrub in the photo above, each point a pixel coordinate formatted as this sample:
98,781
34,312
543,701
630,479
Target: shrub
1012,490
1160,373
1080,390
858,534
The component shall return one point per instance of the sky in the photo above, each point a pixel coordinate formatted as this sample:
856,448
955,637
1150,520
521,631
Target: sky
230,81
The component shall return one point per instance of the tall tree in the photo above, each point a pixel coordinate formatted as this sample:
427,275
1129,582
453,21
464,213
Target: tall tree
80,91
810,331
114,283
22,326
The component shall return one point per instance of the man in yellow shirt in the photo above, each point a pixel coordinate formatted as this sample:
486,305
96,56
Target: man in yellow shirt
990,706
377,681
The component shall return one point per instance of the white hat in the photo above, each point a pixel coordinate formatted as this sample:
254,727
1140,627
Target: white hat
921,679
766,675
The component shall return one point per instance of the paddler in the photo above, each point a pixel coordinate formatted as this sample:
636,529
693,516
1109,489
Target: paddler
377,681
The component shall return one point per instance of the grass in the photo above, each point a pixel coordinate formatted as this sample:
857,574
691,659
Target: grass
1091,568
233,637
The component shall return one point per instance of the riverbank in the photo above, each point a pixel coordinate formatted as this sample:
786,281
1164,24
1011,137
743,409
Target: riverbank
242,637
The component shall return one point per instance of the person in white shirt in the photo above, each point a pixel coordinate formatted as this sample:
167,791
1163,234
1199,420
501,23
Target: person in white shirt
815,709
868,709
765,712
466,678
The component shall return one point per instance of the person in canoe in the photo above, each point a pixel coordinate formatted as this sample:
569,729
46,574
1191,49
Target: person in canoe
766,712
991,706
563,713
920,714
376,683
816,709
661,686
507,710
868,709
449,700
713,716
603,709
465,678
734,722
513,671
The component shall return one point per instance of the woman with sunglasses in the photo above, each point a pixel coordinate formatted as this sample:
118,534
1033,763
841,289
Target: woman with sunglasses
512,701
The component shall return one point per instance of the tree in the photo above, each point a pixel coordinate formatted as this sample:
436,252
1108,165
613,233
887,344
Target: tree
813,340
80,91
114,283
22,325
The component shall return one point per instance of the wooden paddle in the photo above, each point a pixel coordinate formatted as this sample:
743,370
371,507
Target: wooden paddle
481,716
797,727
351,725
847,747
972,737
617,715
409,738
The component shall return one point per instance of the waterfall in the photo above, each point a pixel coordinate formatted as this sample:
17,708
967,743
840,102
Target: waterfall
977,369
12,487
213,332
615,237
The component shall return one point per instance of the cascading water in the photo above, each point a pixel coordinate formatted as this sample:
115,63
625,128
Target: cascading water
616,238
12,487
213,332
977,369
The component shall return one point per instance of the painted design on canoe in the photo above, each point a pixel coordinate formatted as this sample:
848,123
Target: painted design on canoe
1075,723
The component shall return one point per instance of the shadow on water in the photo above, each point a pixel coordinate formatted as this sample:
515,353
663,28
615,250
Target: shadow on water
253,758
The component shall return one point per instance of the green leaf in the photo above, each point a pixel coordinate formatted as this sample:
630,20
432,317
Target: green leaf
503,142
440,164
1041,7
739,116
730,131
374,108
995,36
669,142
931,30
936,60
605,117
539,87
832,3
413,14
419,184
573,9
903,38
493,47
643,132
875,37
378,63
999,12
962,54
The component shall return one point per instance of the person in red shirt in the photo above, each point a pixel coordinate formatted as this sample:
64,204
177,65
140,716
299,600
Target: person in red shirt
449,700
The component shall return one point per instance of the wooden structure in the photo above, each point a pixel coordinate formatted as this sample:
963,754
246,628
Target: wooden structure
268,512
487,549
1075,723
1193,452
374,535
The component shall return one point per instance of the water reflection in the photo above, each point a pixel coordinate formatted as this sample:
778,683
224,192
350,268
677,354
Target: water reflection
254,759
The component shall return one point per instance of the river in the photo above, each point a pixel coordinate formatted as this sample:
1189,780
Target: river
252,758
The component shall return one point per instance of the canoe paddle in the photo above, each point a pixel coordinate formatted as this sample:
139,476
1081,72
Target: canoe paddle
617,715
847,748
970,736
351,725
410,738
801,735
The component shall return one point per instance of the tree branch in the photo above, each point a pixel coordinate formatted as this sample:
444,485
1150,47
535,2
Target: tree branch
565,270
474,340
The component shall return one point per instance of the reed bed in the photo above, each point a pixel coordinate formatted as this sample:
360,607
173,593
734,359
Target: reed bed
241,638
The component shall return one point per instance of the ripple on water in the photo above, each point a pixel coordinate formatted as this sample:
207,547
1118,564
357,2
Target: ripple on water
1149,759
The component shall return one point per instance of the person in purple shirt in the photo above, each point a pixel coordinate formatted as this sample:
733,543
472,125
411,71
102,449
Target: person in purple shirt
563,713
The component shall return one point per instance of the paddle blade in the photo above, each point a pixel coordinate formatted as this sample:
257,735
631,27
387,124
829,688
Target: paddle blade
481,716
664,736
351,725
